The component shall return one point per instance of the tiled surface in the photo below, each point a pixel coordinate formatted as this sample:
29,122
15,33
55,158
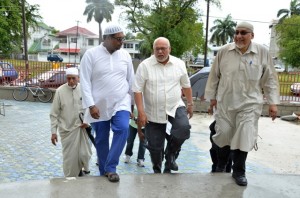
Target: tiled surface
26,152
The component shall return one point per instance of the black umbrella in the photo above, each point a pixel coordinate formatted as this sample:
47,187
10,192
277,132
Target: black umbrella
88,130
198,82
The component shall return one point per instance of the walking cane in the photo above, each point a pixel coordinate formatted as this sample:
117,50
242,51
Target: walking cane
88,130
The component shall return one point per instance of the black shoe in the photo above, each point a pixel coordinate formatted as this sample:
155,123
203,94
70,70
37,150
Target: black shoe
167,170
80,174
240,180
220,170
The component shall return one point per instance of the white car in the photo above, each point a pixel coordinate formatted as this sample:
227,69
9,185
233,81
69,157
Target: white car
279,68
295,88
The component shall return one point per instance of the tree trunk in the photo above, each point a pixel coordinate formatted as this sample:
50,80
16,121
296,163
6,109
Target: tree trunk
100,34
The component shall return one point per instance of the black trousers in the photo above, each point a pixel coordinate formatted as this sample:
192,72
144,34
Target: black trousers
221,156
155,134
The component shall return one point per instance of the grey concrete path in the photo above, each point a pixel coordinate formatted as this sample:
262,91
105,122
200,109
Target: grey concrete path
30,166
155,186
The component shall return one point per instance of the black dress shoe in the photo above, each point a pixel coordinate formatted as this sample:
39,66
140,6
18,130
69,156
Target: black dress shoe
240,180
167,170
220,170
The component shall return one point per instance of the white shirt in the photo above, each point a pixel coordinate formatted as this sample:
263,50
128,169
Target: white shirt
106,81
161,87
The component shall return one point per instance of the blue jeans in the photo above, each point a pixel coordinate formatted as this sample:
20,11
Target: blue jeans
108,157
130,143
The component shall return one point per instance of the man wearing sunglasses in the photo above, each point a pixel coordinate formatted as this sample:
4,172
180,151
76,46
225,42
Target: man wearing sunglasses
240,72
106,75
64,117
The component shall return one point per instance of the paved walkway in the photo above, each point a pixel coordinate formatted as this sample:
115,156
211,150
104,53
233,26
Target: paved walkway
30,166
27,153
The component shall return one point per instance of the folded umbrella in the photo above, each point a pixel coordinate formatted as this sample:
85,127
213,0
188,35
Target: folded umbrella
88,130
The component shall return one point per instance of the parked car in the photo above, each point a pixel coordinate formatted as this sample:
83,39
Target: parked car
295,88
50,79
279,68
54,58
7,72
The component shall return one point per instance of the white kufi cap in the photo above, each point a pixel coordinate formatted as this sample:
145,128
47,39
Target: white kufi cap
112,29
245,25
72,71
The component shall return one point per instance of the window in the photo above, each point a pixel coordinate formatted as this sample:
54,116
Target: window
128,45
90,42
73,40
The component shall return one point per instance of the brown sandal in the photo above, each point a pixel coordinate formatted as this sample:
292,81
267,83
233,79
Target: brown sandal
112,177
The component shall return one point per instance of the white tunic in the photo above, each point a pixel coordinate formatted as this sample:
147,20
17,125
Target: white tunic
64,117
106,81
161,87
236,81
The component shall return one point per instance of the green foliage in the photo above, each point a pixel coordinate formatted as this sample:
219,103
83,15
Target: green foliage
173,19
11,26
285,13
99,10
223,31
289,41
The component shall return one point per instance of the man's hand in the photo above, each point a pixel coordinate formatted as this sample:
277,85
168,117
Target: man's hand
190,110
142,119
84,125
213,103
273,111
54,139
95,113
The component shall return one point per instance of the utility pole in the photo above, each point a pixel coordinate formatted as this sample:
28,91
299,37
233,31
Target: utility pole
25,40
76,41
206,34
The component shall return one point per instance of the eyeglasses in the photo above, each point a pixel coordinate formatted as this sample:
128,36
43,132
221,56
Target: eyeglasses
120,39
71,78
161,48
243,33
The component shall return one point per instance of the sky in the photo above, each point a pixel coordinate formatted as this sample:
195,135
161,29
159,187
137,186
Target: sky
64,14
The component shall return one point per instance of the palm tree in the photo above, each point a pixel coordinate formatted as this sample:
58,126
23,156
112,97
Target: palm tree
223,31
100,10
294,10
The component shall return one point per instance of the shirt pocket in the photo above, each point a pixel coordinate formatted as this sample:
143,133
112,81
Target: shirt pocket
252,71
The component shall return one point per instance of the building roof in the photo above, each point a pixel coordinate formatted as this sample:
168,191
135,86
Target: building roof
73,31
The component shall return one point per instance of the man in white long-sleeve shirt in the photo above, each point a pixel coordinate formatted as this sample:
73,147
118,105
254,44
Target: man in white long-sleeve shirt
65,119
106,75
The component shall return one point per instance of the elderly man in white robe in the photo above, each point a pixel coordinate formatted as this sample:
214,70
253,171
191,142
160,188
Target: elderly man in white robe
64,116
240,72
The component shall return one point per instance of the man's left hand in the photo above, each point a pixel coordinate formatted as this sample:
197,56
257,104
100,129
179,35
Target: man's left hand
190,111
273,111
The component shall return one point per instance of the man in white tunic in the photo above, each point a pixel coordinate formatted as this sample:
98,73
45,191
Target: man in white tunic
157,88
240,72
64,117
106,75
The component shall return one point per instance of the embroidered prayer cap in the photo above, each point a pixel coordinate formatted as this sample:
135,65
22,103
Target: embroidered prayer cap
72,71
112,29
245,25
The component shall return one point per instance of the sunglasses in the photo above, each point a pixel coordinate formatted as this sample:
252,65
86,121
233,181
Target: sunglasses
243,33
71,78
120,39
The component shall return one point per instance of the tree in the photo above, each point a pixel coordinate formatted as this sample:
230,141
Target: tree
11,29
173,19
289,41
285,13
223,31
100,10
